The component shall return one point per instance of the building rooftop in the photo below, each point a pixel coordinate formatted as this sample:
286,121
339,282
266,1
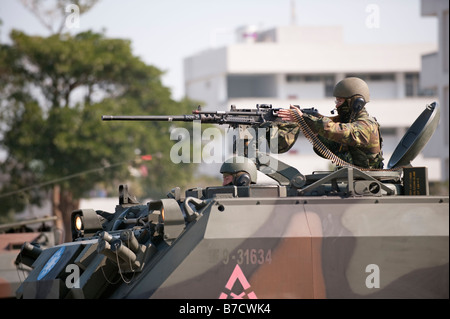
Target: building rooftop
297,49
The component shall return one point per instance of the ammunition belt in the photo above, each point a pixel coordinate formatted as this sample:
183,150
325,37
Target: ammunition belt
324,151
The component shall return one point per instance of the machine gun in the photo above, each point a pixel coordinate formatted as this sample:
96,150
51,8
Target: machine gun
264,113
235,117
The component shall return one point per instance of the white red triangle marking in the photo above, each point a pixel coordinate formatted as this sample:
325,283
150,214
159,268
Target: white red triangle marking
237,274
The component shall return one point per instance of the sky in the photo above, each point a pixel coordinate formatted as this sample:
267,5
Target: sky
163,33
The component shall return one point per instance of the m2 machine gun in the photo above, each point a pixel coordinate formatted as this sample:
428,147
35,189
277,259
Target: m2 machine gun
235,117
264,113
346,233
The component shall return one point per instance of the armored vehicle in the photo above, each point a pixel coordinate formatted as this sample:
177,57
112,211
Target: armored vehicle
346,233
12,237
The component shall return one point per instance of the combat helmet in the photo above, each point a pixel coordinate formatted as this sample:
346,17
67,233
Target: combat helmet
350,87
237,164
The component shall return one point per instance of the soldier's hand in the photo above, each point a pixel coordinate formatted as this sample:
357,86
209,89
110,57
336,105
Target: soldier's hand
286,114
297,109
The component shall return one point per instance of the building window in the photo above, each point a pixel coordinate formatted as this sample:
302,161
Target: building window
444,40
329,85
251,85
327,80
411,80
293,78
388,131
312,78
304,78
412,86
373,76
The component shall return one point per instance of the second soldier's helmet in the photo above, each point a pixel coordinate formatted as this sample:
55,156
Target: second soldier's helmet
350,87
238,164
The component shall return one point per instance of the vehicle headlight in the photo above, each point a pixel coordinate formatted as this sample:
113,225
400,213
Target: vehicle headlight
78,223
85,222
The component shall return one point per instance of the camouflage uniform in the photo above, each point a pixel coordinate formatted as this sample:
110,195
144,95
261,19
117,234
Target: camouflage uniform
285,134
353,135
357,142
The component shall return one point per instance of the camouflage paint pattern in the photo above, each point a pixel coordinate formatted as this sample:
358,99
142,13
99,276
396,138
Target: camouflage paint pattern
311,248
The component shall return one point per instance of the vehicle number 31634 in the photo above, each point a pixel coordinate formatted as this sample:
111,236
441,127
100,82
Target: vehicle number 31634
247,256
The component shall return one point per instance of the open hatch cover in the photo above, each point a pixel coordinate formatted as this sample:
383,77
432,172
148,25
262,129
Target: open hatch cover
416,137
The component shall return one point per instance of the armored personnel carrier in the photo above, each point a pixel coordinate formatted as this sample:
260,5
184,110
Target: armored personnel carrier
347,233
12,237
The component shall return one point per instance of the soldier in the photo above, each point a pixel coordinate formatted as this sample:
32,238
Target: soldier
352,135
238,171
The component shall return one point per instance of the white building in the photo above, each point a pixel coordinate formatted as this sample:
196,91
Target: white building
435,75
300,65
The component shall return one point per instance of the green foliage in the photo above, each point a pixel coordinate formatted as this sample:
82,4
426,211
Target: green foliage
54,91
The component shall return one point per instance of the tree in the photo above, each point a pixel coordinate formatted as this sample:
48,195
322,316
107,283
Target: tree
54,90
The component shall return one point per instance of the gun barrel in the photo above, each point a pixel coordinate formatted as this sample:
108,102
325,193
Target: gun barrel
234,117
162,118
